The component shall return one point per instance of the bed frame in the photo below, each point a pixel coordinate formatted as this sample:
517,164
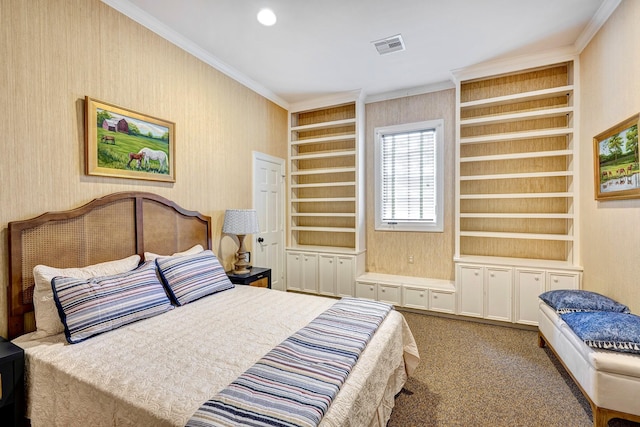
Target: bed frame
108,228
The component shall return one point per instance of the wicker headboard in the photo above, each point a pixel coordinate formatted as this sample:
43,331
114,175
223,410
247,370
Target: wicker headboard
107,228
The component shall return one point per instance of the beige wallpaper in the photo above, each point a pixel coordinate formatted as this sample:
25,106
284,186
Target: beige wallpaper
610,66
55,52
389,251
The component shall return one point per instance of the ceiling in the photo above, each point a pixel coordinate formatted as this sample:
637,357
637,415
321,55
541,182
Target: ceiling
323,47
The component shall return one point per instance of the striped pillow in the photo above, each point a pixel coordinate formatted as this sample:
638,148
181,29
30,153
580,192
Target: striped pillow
88,307
191,277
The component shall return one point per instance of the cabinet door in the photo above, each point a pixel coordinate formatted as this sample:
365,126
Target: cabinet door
389,293
442,301
529,285
327,275
498,285
471,287
310,272
415,297
345,276
366,290
294,271
561,280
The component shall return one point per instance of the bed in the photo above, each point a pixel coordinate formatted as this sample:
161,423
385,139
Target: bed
610,380
160,370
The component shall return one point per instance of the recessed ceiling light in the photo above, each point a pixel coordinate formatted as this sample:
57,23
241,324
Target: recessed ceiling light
267,17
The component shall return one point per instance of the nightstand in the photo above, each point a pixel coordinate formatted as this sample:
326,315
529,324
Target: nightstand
257,276
11,384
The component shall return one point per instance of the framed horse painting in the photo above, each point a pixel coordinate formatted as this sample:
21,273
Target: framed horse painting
616,162
125,144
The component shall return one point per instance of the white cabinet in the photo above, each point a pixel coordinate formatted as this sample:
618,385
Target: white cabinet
485,291
336,275
323,273
326,274
470,285
390,293
302,271
366,290
508,293
416,297
562,280
498,286
386,292
442,301
529,285
406,291
345,275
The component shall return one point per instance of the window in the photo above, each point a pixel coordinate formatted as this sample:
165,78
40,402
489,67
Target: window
409,177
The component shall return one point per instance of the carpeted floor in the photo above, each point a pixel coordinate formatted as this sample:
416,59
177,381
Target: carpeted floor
474,374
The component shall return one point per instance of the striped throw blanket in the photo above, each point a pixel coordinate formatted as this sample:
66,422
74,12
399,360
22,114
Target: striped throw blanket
295,383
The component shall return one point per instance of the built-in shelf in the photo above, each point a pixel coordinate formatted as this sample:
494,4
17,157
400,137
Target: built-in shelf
323,199
516,158
517,195
325,184
326,155
324,229
326,178
513,136
325,241
322,171
518,215
528,236
516,175
534,95
324,125
514,117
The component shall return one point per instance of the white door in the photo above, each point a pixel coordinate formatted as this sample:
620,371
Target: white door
268,201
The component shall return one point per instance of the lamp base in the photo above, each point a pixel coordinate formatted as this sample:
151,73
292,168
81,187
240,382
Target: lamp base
241,266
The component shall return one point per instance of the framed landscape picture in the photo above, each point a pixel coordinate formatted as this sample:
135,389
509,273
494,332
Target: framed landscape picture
616,162
126,144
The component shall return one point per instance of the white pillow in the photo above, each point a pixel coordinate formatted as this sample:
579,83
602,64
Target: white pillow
47,318
150,256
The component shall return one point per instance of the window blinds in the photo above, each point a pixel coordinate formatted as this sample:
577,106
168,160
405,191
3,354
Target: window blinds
409,176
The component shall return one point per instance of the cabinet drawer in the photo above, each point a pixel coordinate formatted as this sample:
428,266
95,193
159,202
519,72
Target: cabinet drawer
442,301
559,280
366,290
416,297
389,293
261,283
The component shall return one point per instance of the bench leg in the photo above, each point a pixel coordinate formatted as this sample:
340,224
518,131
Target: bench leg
541,342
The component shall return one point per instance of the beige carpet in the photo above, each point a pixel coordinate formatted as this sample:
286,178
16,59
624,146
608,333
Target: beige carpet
474,374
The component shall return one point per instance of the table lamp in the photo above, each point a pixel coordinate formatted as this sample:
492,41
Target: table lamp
241,222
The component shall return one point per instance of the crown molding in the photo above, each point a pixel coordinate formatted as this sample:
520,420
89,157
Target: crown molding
514,63
402,93
597,21
330,99
143,18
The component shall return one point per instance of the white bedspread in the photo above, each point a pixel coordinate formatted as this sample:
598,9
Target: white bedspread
157,372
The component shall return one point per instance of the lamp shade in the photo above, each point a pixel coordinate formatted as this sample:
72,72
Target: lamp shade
240,221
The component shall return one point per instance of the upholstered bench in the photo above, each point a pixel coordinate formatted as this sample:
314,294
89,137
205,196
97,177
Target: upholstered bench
609,378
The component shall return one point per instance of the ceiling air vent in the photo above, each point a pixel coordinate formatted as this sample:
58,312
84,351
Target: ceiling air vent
389,44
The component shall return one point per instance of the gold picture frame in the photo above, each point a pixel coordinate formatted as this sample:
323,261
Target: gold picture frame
615,155
126,144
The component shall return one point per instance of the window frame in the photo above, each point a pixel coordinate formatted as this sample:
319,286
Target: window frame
436,226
